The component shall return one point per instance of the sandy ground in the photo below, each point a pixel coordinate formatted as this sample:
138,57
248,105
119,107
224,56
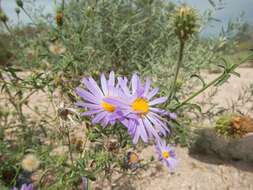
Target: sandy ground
196,172
229,92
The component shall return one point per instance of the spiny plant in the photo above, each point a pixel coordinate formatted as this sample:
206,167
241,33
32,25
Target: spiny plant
234,125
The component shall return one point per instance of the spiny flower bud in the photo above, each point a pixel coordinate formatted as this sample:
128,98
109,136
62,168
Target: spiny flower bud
185,22
19,3
3,17
59,18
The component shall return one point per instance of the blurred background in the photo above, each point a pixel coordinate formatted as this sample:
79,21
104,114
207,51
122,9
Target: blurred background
226,10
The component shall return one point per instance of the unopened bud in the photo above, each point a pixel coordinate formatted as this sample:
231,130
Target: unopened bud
3,17
17,10
185,22
19,3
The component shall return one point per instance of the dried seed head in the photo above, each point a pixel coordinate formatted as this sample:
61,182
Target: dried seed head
59,18
132,160
30,163
241,125
112,145
57,48
185,22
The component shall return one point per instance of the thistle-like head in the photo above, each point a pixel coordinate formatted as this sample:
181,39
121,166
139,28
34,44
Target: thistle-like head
185,22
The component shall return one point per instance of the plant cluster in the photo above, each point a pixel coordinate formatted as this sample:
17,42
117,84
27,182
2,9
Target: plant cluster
51,145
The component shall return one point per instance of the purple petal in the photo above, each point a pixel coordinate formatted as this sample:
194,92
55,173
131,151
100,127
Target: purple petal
86,95
140,91
93,88
88,105
84,184
123,86
92,112
125,122
173,116
171,163
115,101
135,83
159,111
154,118
158,101
136,135
146,87
27,187
105,122
130,115
143,132
111,81
151,129
99,117
104,85
152,93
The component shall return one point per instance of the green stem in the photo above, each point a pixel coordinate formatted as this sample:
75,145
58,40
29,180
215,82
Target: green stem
70,147
27,14
179,63
12,35
7,28
211,83
63,5
198,92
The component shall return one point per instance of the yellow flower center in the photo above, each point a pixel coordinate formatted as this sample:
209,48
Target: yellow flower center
107,107
140,105
166,154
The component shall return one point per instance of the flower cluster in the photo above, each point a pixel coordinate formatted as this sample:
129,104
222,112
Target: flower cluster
132,103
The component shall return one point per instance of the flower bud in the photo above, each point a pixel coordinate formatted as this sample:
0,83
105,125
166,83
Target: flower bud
17,10
19,3
3,17
59,18
185,22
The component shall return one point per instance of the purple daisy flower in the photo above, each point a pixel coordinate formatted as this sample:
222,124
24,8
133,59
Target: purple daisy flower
93,96
25,187
166,155
142,119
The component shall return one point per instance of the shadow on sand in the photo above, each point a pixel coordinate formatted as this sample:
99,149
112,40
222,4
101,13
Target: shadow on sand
210,148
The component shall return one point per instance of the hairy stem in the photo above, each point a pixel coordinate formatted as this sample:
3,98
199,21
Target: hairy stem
179,64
